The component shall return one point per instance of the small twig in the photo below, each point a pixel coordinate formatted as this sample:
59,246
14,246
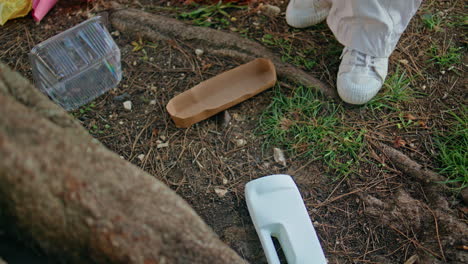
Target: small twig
437,231
334,189
416,243
139,135
169,70
109,136
198,154
326,202
305,165
147,157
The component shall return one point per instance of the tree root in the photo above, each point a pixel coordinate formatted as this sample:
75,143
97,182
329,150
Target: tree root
409,166
405,214
64,192
431,181
156,28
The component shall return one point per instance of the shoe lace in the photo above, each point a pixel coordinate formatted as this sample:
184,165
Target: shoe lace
361,59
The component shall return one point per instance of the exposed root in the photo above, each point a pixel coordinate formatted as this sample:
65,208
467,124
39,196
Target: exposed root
159,28
406,215
409,166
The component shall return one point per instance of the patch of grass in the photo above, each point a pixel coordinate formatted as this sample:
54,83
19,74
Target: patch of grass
307,126
445,56
458,21
432,21
95,129
84,110
289,53
404,122
211,15
140,45
453,150
394,91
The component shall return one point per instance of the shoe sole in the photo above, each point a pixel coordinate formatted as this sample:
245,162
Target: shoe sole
305,17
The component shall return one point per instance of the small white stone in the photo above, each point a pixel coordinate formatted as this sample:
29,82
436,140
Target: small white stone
115,33
199,52
271,10
162,145
403,61
141,157
121,122
225,181
240,142
278,155
238,117
221,192
128,105
152,102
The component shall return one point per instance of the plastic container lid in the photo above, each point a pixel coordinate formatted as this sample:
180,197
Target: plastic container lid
77,65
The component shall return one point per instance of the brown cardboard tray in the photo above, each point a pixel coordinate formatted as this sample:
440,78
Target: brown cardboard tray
221,92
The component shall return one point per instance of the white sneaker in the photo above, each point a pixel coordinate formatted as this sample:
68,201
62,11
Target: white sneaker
360,76
306,13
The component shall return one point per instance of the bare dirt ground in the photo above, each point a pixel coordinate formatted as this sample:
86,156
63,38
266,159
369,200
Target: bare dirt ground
202,162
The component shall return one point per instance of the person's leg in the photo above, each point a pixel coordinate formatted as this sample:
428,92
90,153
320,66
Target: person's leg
369,30
305,13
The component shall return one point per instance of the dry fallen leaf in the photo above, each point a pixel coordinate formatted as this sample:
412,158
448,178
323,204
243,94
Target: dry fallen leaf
137,45
464,247
155,132
423,124
285,123
399,142
206,66
410,117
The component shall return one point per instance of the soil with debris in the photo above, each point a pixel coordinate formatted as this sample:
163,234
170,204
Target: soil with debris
371,216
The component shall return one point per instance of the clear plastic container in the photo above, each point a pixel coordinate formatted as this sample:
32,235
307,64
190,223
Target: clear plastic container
77,65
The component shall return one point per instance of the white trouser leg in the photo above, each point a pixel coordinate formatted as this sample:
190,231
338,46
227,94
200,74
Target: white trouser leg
371,26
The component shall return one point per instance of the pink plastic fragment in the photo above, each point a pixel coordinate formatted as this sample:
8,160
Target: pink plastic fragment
42,7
